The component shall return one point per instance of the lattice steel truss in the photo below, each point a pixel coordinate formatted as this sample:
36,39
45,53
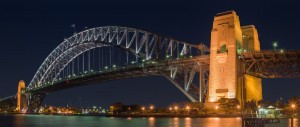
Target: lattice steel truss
272,64
176,60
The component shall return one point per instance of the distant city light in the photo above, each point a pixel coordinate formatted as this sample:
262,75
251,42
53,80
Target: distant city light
151,107
187,107
175,107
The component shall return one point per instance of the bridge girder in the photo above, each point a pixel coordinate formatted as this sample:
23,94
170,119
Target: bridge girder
272,64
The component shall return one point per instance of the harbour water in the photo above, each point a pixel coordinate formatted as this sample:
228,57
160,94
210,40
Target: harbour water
97,121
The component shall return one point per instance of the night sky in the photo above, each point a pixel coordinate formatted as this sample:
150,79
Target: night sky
29,31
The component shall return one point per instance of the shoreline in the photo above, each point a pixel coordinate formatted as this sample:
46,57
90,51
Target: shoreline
138,115
149,115
175,116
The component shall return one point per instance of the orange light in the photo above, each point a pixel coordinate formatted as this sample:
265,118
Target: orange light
187,107
217,107
151,107
175,107
293,105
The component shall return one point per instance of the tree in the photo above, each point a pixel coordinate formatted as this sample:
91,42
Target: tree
134,108
117,108
250,106
228,105
279,104
195,105
263,103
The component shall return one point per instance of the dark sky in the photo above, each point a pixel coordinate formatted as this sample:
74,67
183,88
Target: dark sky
30,30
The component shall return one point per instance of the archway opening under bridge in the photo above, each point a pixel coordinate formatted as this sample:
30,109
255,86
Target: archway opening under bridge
155,90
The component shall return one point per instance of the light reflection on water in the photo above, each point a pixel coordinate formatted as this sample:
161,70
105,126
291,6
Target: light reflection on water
188,122
151,122
295,122
94,121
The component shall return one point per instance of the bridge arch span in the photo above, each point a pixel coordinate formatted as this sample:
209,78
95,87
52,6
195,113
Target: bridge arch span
144,45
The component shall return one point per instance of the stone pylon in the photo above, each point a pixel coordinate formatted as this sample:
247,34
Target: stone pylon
21,97
227,74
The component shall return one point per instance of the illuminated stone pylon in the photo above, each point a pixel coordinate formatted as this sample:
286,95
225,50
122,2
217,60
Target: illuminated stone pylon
21,98
252,86
227,75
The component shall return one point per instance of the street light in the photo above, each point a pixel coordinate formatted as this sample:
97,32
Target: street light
143,109
239,107
293,107
151,107
217,107
188,109
175,107
275,45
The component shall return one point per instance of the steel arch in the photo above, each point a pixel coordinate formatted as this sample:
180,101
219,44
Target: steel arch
144,44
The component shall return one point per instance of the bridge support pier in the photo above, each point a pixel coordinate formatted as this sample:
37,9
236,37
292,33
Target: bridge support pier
227,78
21,97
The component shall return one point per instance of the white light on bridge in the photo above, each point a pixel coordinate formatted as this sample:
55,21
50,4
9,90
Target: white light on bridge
275,44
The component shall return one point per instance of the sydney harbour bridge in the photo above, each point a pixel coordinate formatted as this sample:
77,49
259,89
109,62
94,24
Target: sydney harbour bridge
232,67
